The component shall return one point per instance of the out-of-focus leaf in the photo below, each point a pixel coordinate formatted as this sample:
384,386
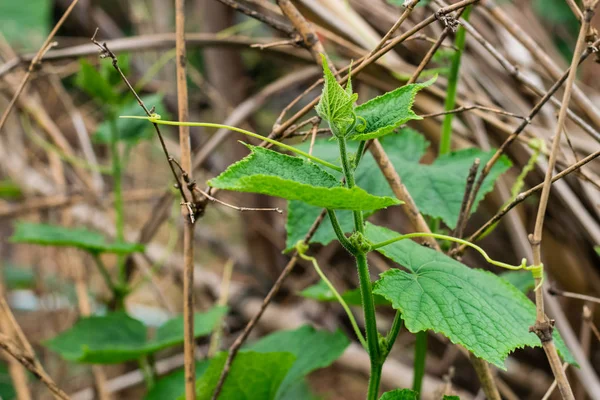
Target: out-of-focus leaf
95,85
172,386
7,390
522,280
400,394
321,292
9,190
25,24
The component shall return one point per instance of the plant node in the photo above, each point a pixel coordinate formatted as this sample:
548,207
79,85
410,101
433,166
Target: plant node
543,330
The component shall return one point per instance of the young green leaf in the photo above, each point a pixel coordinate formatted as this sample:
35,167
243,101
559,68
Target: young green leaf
95,85
252,376
473,308
400,394
172,386
55,235
312,349
269,172
387,112
336,105
116,337
321,292
131,130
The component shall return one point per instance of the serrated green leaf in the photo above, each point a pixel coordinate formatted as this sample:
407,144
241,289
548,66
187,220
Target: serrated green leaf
116,337
321,292
26,24
437,189
522,280
312,349
252,376
95,85
400,394
472,307
55,235
172,386
132,130
269,172
336,105
387,112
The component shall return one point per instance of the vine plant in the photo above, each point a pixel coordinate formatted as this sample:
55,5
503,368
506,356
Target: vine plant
476,309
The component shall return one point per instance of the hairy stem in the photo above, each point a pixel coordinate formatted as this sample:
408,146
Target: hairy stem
394,331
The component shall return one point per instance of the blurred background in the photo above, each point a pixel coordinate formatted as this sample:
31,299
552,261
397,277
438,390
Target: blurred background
55,167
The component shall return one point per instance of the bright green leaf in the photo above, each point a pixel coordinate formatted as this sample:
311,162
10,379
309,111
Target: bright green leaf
95,85
269,172
116,337
437,189
25,24
9,190
132,130
172,386
321,292
336,105
474,308
389,111
400,394
252,376
522,280
55,235
313,349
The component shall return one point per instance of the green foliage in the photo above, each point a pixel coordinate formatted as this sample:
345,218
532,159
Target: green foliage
312,349
116,337
16,277
253,375
336,105
25,24
172,386
474,308
522,280
321,292
383,114
7,390
54,235
437,188
269,172
400,394
131,130
95,85
9,190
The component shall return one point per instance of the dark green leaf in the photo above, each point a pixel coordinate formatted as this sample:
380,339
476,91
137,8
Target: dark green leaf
269,172
336,105
389,111
312,349
522,280
474,308
116,337
400,394
132,130
7,390
252,376
26,24
54,235
95,85
320,292
172,386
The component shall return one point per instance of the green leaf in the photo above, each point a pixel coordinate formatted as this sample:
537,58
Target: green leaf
7,390
451,398
269,172
400,394
597,248
336,105
54,235
312,349
9,190
473,308
320,292
116,337
522,280
252,376
26,24
172,386
437,189
132,130
95,85
387,112
17,277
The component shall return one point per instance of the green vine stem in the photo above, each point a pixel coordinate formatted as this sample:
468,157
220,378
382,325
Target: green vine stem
302,248
419,362
155,119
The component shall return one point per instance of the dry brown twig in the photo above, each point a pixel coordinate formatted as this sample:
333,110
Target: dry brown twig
543,326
